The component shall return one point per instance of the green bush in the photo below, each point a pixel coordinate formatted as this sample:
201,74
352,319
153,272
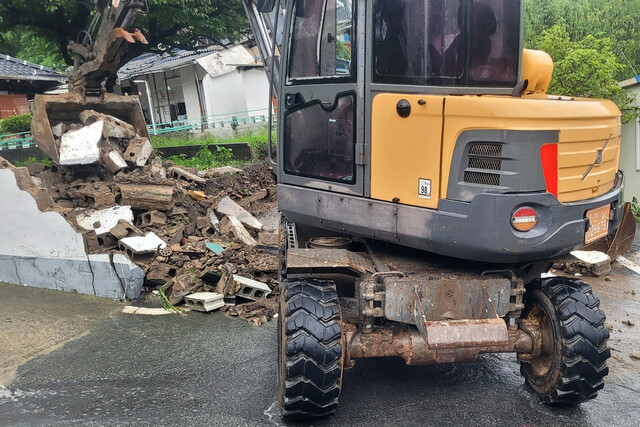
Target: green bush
16,124
635,209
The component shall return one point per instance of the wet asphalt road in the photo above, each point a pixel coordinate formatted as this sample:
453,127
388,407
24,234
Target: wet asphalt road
208,369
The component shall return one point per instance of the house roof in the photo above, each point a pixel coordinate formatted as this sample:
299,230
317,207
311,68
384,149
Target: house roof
16,69
155,63
630,82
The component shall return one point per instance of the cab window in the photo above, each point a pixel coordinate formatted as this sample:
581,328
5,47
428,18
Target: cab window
450,42
321,43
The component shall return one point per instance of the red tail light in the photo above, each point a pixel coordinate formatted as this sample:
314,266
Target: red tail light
524,219
549,156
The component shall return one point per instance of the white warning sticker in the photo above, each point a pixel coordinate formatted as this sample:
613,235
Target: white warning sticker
424,188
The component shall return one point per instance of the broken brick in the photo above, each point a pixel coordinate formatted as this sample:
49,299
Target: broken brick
124,229
139,151
149,197
180,173
231,224
151,219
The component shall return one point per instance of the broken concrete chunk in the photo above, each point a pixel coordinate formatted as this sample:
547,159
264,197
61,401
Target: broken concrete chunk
251,289
593,263
90,241
114,161
161,273
104,220
147,197
215,222
177,235
258,195
81,147
181,286
205,301
57,130
226,284
35,168
157,171
591,257
96,194
124,229
5,164
151,219
139,151
139,245
180,173
268,239
202,222
226,206
226,169
231,224
113,127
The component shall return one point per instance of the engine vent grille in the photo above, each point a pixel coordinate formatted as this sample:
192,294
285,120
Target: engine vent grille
486,157
493,150
482,178
483,163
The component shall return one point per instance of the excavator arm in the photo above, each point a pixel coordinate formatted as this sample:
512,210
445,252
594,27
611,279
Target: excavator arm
99,49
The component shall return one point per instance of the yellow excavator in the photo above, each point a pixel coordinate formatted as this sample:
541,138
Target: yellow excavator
426,181
98,53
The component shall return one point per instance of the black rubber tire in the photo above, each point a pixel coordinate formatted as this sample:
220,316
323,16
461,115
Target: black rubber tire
579,350
310,348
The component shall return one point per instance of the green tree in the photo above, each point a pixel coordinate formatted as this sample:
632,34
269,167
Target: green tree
615,19
585,68
30,46
169,24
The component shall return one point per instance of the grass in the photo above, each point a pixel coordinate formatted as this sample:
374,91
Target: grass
46,162
205,159
255,138
165,301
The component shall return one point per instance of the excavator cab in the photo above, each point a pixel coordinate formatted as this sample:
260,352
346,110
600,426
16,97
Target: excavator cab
426,181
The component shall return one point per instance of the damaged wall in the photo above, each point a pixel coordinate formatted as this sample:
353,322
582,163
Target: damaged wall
41,249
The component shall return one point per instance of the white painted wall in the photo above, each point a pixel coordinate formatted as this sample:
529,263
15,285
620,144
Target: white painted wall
190,94
26,231
256,91
224,96
630,152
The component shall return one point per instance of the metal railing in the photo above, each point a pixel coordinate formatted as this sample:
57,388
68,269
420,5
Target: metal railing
16,141
24,140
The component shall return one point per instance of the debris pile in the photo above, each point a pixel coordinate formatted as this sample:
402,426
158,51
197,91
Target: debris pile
211,231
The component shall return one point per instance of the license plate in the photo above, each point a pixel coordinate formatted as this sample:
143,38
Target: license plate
599,220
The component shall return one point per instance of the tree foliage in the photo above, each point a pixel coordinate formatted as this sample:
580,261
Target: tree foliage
169,24
613,19
591,43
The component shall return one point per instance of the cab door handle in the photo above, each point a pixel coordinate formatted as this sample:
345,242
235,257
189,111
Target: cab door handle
292,100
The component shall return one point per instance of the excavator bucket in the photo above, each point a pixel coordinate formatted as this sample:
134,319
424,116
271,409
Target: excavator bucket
51,110
621,242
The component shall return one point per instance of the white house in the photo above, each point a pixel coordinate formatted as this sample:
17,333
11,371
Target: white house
630,151
201,88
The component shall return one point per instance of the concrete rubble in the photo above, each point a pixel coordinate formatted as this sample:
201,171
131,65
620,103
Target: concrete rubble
111,220
591,263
